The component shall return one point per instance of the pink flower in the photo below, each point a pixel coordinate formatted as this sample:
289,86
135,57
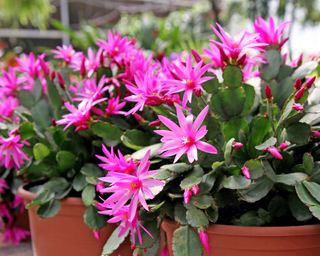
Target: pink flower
187,194
269,33
10,83
137,188
5,212
283,145
114,163
96,234
275,152
92,62
316,134
7,108
186,138
11,154
164,251
188,79
195,189
297,107
15,234
3,185
79,116
237,145
88,89
64,52
204,239
114,107
246,172
28,64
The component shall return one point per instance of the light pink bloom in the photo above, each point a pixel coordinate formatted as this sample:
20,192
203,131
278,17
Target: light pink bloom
15,234
114,163
187,194
64,52
204,239
275,152
10,83
188,79
80,116
186,138
269,33
237,145
297,107
3,185
246,172
136,188
11,154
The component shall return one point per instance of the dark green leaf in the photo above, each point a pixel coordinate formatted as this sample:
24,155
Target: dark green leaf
186,242
107,131
180,214
299,210
232,76
49,209
135,139
308,163
88,195
271,69
93,219
114,241
298,133
196,217
236,182
41,114
65,159
268,143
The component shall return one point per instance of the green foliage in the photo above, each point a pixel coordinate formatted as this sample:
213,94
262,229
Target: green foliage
186,242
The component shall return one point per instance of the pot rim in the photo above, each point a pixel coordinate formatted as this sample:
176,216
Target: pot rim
232,230
27,195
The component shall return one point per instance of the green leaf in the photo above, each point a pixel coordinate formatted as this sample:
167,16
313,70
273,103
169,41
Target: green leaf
236,182
271,69
232,76
291,178
26,99
315,211
93,219
56,184
65,159
278,207
107,131
299,210
135,139
79,182
202,201
298,133
162,174
268,143
194,178
148,240
138,155
196,217
88,195
304,195
313,188
43,197
308,163
212,214
49,209
40,151
250,98
233,127
253,218
41,114
305,69
211,86
256,168
186,242
180,214
176,168
207,182
26,130
114,241
54,98
257,190
91,170
228,151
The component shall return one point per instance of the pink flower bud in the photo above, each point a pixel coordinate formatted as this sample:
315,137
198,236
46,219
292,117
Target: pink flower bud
195,189
187,196
283,145
196,55
246,172
237,145
83,67
315,134
309,82
299,94
297,106
268,92
164,251
138,117
297,84
204,239
61,81
155,123
99,187
275,152
96,234
52,75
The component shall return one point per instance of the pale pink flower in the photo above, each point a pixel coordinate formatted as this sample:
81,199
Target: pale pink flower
11,154
64,52
297,106
246,172
114,163
275,152
137,187
269,33
186,138
204,239
188,79
15,234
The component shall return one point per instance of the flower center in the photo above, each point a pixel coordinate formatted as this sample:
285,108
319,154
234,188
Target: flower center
188,141
189,83
135,185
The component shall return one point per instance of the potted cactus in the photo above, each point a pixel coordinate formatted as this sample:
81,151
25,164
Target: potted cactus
231,165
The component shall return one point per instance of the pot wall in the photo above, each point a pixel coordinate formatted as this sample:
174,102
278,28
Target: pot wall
66,234
257,241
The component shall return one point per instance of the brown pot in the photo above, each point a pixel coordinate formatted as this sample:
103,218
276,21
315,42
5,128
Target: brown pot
66,234
228,240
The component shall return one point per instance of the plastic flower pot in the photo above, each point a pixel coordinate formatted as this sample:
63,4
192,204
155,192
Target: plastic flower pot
230,240
66,234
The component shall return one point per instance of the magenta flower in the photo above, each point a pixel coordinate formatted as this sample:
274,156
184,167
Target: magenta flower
80,116
11,154
297,107
186,138
114,107
284,145
3,185
246,172
237,145
275,152
204,239
7,108
269,34
28,64
114,163
137,188
15,234
10,83
187,194
64,52
189,79
164,251
88,89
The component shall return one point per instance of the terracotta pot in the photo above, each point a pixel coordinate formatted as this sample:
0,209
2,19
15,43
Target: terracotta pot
66,234
230,240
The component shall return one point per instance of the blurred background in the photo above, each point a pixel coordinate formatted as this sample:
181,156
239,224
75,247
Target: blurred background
163,26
